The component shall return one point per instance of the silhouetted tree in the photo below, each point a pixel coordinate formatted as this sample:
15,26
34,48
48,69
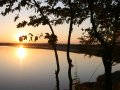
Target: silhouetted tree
73,13
41,16
105,30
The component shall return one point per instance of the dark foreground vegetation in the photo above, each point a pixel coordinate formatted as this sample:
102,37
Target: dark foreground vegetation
99,84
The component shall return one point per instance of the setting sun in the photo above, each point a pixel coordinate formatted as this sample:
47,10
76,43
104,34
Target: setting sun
21,53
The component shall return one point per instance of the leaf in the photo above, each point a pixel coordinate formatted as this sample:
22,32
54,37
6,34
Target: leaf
47,36
52,39
30,34
36,38
16,18
22,24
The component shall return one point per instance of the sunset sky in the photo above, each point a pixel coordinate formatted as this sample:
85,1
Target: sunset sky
9,32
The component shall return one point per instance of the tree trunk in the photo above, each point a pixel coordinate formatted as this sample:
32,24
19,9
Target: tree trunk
54,45
58,68
107,62
68,47
69,62
108,80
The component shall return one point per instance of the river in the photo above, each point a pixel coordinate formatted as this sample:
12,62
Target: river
34,69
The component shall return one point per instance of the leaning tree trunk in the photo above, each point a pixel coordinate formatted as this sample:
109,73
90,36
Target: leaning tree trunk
54,45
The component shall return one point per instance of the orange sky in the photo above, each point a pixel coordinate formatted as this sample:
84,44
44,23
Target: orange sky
9,32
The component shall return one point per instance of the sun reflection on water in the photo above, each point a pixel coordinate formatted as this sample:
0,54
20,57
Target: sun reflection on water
21,53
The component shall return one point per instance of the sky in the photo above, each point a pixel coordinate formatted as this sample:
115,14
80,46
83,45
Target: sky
9,32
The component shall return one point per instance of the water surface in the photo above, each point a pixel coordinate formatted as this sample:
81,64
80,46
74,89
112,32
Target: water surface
33,69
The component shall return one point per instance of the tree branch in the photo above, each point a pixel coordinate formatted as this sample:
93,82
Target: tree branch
90,2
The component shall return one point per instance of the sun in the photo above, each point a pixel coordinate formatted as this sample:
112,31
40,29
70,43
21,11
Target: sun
21,53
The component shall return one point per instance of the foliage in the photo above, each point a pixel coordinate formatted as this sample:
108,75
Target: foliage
106,15
106,19
30,36
52,39
53,12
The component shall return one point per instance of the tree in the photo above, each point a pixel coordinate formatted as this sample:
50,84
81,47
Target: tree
41,16
73,13
105,30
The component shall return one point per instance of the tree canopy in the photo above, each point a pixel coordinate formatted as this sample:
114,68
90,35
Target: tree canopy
105,15
55,11
105,18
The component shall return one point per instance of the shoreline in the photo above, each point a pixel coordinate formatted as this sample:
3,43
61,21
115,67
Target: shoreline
92,50
61,47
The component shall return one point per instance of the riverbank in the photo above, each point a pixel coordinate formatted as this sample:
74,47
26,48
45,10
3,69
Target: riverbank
61,47
95,50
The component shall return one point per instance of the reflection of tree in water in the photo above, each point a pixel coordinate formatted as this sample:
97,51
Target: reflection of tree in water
76,79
